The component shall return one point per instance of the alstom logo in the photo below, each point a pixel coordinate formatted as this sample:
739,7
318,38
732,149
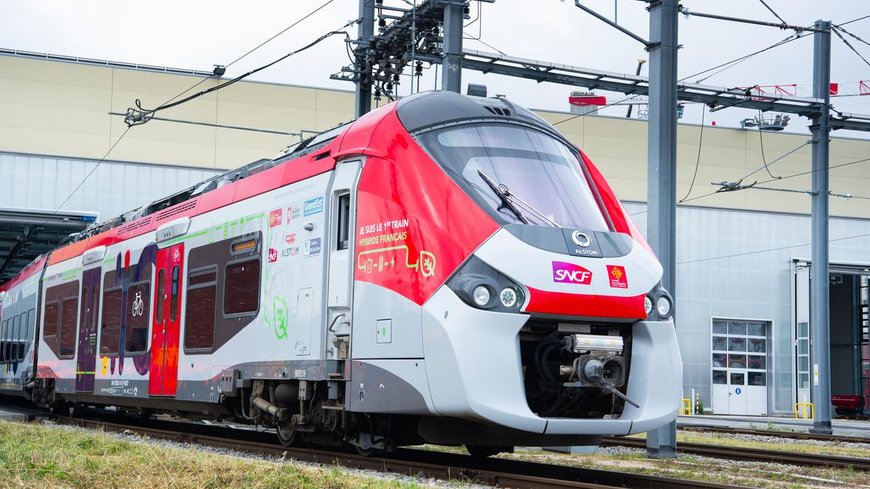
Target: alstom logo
570,273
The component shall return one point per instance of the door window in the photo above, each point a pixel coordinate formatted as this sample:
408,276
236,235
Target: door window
740,345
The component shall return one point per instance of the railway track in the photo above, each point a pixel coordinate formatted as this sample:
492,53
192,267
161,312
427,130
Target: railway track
422,463
751,454
797,435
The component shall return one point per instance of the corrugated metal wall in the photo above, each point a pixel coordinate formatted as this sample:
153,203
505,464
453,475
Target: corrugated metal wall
737,264
43,182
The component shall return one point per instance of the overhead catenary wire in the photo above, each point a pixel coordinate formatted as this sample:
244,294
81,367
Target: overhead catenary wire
267,41
768,250
841,24
203,80
761,145
849,45
140,115
734,62
851,34
773,12
698,159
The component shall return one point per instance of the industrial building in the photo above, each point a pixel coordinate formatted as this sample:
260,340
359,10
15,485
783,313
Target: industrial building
743,265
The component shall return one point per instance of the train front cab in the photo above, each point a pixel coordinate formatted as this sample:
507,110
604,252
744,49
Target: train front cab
545,325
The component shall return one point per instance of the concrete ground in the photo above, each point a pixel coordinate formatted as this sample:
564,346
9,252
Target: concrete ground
842,427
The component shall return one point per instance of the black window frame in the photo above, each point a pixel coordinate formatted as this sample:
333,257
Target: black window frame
195,273
100,324
342,238
225,284
45,335
146,313
75,328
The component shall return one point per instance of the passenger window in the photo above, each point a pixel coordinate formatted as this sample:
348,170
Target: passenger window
68,314
343,240
15,353
173,295
51,315
30,329
242,288
110,331
200,313
3,341
138,302
159,297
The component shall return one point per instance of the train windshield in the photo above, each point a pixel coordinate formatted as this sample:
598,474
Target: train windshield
522,174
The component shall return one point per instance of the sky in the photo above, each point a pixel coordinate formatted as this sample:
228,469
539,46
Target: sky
199,34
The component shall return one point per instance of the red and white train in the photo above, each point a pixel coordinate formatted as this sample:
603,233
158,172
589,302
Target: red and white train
446,269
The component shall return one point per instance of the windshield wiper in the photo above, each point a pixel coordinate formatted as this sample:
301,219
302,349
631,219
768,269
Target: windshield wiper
504,194
508,200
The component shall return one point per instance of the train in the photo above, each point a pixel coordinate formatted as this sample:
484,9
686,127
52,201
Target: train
446,269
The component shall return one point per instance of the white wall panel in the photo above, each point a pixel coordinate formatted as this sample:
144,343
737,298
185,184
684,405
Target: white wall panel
736,264
43,182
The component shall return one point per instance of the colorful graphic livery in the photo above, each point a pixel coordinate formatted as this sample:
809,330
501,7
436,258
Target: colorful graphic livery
446,269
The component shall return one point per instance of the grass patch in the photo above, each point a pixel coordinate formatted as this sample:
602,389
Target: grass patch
34,455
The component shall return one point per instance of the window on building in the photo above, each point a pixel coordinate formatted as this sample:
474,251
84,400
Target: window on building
739,347
110,328
199,319
137,307
69,311
242,288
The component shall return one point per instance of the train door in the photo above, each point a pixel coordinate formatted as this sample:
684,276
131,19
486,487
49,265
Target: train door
163,380
87,344
341,258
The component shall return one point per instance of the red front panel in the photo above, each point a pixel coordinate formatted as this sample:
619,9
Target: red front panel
163,380
414,225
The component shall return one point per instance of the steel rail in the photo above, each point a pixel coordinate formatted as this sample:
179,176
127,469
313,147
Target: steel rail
420,463
752,454
798,435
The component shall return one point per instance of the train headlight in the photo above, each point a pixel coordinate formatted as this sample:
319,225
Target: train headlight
508,297
663,306
483,287
658,304
647,305
481,295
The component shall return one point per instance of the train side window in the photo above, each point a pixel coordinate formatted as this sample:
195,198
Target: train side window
199,317
69,310
15,353
242,288
161,275
110,331
173,295
30,322
343,238
3,341
138,302
51,315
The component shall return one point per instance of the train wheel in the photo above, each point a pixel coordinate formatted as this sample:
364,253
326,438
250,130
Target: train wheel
483,451
286,435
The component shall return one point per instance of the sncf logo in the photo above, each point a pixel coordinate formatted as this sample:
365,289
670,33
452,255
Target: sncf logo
570,273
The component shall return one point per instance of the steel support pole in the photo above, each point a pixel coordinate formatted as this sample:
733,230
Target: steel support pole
451,75
365,32
820,319
662,171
